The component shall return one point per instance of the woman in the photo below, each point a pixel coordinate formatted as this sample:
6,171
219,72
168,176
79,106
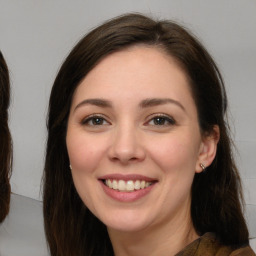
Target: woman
138,157
5,140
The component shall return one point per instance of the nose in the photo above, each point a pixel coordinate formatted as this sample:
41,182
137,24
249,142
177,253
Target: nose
126,146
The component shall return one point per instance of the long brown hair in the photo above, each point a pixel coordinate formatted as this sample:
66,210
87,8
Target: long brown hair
5,140
71,229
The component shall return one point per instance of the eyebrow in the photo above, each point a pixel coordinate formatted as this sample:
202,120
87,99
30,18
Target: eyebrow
160,101
96,102
151,102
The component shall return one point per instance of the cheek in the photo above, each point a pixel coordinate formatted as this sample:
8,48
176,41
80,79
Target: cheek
176,153
84,152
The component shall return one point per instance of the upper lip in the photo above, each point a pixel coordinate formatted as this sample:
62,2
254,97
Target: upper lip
126,177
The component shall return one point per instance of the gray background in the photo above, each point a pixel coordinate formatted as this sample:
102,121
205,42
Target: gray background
36,35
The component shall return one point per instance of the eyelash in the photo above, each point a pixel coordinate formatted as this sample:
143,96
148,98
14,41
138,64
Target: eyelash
165,118
92,118
157,117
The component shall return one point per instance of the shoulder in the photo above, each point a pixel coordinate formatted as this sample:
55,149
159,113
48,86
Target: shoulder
211,241
244,251
209,245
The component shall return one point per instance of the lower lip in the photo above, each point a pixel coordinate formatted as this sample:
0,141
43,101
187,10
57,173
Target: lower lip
127,196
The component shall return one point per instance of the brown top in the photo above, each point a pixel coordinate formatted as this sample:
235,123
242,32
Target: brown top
209,245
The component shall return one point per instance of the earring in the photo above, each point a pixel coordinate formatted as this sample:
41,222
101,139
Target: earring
202,166
70,167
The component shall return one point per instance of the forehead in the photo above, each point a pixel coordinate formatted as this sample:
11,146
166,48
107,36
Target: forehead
138,70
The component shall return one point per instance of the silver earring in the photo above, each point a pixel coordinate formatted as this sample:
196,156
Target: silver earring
70,167
202,166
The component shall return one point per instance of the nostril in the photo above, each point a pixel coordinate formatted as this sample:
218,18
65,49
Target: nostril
126,151
134,159
125,159
114,159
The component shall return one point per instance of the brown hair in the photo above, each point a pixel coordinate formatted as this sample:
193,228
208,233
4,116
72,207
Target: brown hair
71,229
5,140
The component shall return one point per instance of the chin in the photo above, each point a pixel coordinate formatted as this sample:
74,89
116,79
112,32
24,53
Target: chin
127,222
126,227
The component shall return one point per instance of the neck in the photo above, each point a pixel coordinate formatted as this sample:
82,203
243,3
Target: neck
162,239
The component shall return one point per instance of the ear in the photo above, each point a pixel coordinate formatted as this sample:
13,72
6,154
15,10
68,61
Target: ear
208,149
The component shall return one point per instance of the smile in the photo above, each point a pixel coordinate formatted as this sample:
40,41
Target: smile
127,186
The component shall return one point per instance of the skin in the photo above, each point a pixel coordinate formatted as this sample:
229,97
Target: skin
125,136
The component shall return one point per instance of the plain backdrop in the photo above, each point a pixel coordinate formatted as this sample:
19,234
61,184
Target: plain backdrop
36,35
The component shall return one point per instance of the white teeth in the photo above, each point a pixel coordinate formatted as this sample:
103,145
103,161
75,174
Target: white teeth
137,185
121,185
129,185
109,183
115,184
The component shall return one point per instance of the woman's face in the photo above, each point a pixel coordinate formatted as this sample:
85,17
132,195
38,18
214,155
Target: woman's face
134,141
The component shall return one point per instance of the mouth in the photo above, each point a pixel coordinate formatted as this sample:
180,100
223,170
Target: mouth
127,185
127,188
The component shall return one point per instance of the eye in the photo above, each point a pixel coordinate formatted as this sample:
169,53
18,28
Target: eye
95,120
161,120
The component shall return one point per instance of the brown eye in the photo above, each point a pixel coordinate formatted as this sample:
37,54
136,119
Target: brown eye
94,121
97,121
161,121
